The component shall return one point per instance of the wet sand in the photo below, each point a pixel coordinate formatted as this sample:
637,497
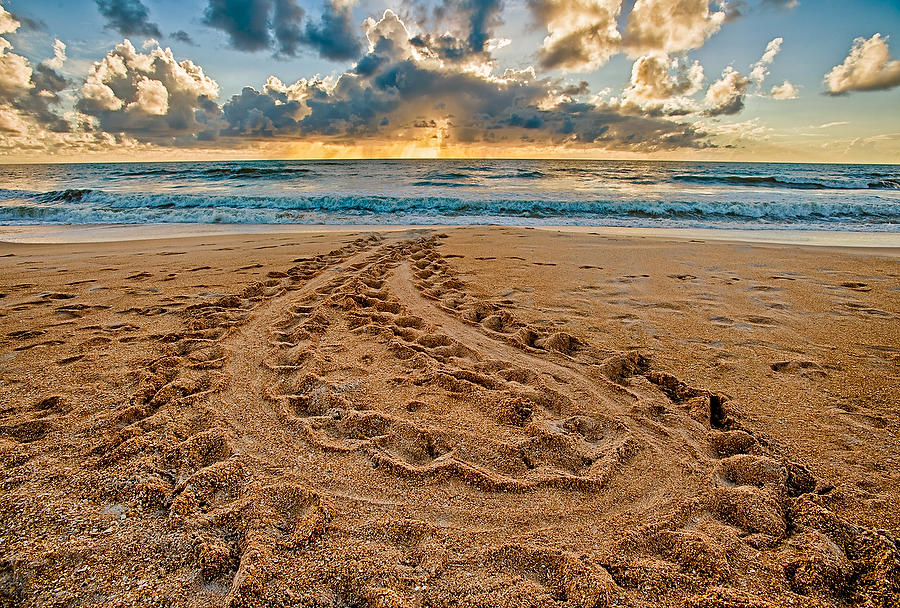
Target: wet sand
477,416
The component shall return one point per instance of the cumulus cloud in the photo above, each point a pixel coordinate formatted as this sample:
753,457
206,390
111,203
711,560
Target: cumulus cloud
150,96
785,90
473,22
27,93
8,23
288,33
59,55
15,71
484,16
389,39
400,91
20,136
40,102
275,110
29,24
334,37
868,67
760,69
467,32
435,89
128,17
256,25
582,34
245,22
726,95
10,122
662,86
670,26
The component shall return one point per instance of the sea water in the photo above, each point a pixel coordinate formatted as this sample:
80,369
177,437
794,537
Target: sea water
518,192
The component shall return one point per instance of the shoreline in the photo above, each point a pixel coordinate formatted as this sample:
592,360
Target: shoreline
105,233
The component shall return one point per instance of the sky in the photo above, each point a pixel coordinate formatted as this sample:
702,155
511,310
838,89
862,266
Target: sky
747,80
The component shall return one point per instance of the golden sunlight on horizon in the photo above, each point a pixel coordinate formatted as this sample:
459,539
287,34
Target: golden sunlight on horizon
427,148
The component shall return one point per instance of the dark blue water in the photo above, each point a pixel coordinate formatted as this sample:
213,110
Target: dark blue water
603,193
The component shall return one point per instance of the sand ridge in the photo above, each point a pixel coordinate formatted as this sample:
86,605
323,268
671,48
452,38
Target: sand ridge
362,428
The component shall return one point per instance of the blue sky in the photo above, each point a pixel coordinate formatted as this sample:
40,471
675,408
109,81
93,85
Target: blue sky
612,116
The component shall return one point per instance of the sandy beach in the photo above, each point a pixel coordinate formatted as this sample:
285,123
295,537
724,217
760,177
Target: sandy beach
477,416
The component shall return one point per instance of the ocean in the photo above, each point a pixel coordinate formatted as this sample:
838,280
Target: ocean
518,192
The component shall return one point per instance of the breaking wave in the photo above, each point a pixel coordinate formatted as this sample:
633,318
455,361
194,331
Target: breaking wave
85,206
776,182
626,193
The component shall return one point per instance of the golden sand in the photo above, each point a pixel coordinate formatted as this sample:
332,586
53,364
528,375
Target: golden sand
467,417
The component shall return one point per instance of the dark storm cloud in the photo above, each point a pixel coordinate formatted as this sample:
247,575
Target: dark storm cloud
400,90
335,36
473,21
41,98
183,37
245,22
484,16
446,46
256,25
396,89
288,31
128,17
260,114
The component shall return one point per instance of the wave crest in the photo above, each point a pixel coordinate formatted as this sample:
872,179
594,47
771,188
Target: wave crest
96,206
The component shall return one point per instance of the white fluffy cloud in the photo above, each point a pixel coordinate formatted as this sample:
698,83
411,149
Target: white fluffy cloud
8,23
760,69
726,95
868,67
152,97
28,94
59,55
15,71
148,95
785,90
96,94
11,121
29,138
660,85
670,26
388,36
582,34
